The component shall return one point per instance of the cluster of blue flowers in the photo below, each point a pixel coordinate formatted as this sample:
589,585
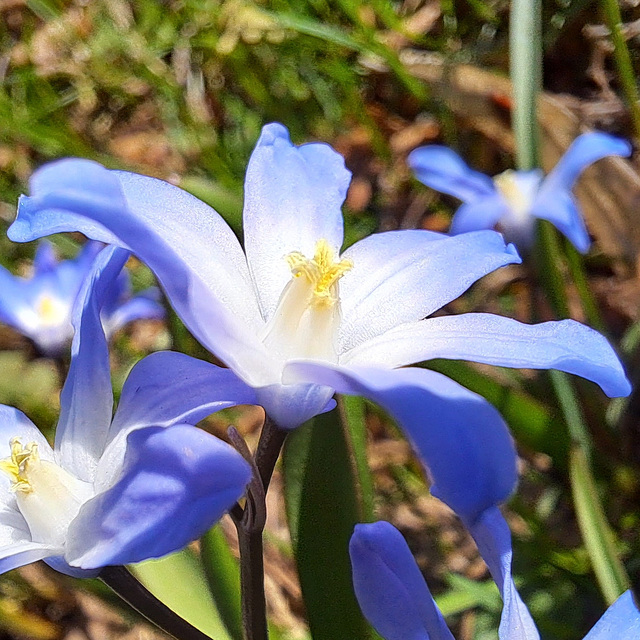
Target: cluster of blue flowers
295,320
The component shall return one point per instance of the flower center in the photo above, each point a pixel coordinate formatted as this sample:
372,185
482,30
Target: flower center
321,273
51,311
307,318
48,497
519,189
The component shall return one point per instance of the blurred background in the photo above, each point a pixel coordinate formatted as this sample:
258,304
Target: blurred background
180,89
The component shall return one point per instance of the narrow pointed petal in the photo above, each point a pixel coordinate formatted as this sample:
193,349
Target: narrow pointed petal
444,170
164,389
621,621
390,589
460,437
419,279
293,197
176,483
192,251
22,553
168,387
585,150
566,345
45,259
479,214
560,209
492,535
86,400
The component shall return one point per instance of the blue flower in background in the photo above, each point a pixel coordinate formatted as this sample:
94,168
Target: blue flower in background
40,307
514,199
396,600
118,491
298,320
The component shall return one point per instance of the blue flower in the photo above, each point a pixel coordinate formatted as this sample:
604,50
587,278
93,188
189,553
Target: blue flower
396,600
118,491
514,199
298,321
40,307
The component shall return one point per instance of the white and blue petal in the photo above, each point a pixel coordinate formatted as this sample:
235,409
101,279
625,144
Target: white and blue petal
176,483
164,389
419,278
192,251
444,170
86,400
461,438
481,337
45,259
293,198
15,303
140,307
555,202
22,553
389,587
14,424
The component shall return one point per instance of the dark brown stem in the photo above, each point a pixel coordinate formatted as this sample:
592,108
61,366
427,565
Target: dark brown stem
142,600
250,525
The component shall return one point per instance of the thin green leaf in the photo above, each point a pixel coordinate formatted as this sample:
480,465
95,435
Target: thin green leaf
352,413
223,576
178,580
598,537
323,507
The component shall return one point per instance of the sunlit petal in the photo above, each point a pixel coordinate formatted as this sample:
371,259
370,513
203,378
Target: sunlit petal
460,437
417,280
86,400
176,483
481,337
293,197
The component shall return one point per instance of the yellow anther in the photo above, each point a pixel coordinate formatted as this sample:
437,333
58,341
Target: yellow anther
17,466
321,272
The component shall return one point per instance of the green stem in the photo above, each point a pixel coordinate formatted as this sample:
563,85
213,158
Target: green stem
525,68
626,75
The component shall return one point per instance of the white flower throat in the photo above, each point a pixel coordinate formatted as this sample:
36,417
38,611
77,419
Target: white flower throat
519,190
306,321
48,497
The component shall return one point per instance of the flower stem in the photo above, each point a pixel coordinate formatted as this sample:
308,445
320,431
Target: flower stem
120,580
250,523
626,75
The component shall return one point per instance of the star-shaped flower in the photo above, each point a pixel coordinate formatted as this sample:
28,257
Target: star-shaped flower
514,199
40,307
298,320
117,491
